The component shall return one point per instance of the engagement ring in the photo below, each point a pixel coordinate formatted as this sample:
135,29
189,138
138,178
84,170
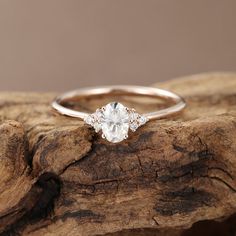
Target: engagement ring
114,120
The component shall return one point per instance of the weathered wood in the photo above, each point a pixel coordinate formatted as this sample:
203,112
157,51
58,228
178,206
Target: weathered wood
57,177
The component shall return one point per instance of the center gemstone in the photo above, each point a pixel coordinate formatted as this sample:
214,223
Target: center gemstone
115,122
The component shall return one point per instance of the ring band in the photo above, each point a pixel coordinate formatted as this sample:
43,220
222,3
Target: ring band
114,119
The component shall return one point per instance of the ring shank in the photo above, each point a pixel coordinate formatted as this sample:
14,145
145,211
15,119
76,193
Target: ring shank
179,103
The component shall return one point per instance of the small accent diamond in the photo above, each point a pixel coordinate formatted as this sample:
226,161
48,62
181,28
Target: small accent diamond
136,120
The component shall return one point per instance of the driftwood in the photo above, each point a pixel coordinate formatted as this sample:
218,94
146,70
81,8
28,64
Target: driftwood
174,176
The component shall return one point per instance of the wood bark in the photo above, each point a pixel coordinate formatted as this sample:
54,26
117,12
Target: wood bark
175,176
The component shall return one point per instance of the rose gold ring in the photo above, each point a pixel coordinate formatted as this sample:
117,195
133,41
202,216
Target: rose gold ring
114,119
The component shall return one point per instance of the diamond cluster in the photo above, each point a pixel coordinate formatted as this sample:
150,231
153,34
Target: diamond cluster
115,120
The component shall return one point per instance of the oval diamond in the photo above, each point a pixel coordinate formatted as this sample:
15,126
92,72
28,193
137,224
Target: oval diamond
115,122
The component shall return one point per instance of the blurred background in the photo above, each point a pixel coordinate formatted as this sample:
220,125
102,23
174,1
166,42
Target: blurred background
56,45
